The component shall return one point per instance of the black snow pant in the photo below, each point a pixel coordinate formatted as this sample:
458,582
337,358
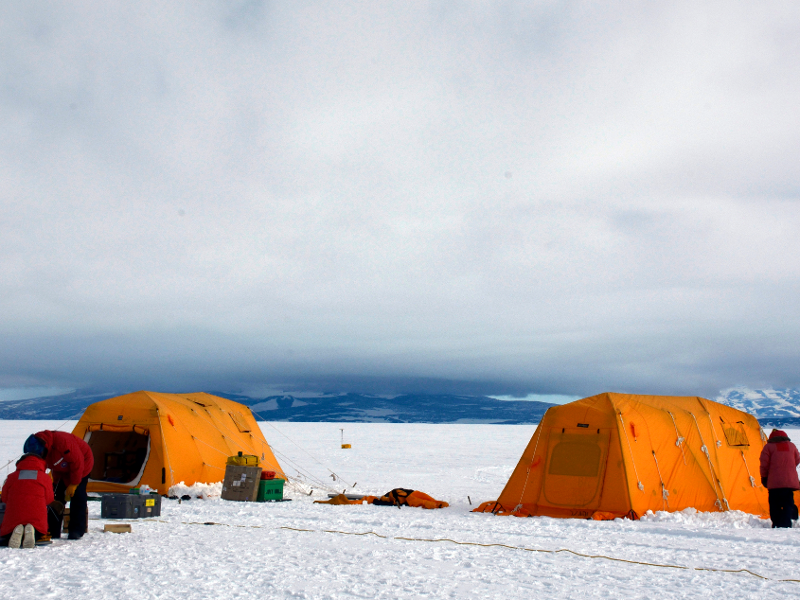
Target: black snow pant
781,507
55,518
77,506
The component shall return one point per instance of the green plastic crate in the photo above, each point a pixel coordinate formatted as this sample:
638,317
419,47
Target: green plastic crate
270,489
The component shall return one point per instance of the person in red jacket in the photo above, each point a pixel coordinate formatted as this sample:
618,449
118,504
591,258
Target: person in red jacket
70,461
27,493
779,460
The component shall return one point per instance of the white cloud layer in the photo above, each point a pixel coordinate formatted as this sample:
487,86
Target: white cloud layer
549,197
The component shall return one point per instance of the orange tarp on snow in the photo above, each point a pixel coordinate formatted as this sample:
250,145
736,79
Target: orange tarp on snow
397,497
164,439
616,455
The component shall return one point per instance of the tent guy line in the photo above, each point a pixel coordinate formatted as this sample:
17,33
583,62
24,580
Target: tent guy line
492,545
333,474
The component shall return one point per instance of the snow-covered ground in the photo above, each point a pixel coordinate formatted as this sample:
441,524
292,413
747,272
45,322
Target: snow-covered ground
256,551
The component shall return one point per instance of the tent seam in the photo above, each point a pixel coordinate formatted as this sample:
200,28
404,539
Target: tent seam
621,453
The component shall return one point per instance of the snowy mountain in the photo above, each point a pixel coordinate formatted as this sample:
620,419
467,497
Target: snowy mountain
65,406
770,406
779,407
417,408
409,408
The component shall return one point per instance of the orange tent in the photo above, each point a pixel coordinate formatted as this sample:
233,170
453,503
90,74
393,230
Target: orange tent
164,439
616,455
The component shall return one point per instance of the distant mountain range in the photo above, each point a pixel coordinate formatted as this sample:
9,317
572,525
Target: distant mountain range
779,407
409,408
772,407
65,406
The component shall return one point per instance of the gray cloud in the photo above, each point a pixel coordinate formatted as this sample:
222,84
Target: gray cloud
512,198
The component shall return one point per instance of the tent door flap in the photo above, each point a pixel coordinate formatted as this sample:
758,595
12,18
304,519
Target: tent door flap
576,463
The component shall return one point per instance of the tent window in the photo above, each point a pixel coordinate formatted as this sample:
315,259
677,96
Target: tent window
118,456
577,459
241,424
735,436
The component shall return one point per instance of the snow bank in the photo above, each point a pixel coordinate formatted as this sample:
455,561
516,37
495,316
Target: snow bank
198,490
692,517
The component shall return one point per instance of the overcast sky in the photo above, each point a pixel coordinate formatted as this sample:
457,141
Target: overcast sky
485,197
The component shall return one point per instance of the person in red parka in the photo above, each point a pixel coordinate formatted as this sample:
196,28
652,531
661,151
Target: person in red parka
70,461
27,493
779,460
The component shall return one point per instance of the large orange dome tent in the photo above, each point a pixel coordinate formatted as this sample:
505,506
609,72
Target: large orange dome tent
616,455
163,439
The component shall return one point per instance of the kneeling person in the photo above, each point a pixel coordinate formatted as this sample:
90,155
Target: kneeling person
27,493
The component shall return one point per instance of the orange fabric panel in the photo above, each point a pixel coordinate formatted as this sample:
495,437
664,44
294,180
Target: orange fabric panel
603,516
489,506
615,496
423,500
575,468
240,422
340,499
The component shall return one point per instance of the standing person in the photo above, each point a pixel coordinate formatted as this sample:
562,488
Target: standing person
779,460
27,493
70,460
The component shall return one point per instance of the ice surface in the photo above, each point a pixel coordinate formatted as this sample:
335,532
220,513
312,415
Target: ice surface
252,554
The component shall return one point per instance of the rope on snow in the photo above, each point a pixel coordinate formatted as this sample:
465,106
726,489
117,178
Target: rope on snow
495,545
